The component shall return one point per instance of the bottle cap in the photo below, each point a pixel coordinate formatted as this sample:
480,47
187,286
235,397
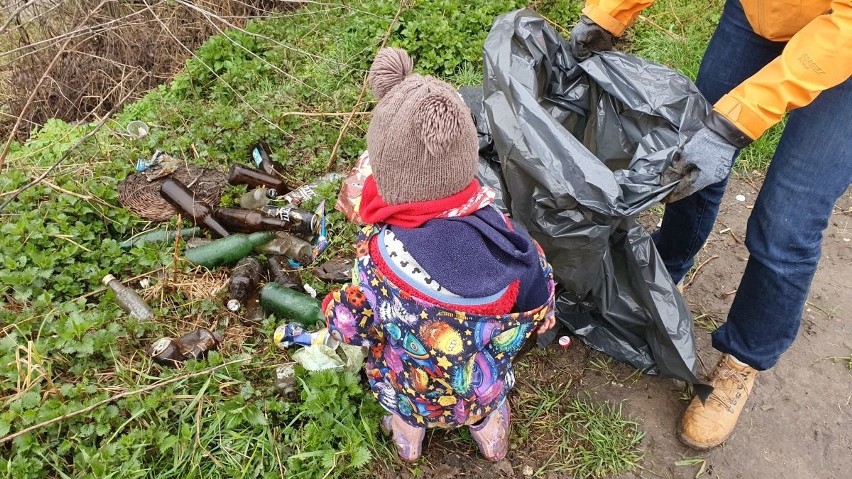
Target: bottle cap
565,342
107,279
233,305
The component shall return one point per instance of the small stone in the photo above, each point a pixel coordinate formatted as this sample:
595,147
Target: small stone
527,470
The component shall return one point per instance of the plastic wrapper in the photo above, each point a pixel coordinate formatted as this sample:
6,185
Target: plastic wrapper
349,199
579,152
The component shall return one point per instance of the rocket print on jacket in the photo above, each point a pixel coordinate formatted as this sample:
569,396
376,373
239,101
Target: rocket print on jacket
433,366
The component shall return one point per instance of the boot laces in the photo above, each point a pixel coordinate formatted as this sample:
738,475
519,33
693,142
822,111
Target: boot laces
729,385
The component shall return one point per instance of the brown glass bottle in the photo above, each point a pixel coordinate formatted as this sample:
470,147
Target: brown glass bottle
279,273
242,220
240,175
259,155
179,196
244,280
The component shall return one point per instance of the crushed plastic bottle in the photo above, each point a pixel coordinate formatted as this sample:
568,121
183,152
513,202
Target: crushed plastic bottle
128,299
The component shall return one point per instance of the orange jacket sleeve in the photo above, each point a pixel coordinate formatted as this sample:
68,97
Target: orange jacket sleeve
817,57
615,15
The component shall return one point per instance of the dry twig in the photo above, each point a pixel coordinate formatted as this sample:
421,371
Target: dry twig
694,273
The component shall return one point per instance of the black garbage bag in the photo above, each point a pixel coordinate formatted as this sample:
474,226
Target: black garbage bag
580,149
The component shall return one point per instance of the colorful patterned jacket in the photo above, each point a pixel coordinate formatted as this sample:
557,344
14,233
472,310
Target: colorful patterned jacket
432,366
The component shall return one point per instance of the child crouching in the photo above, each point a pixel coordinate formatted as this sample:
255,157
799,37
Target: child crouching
446,290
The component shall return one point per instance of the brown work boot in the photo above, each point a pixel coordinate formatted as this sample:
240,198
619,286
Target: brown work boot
704,426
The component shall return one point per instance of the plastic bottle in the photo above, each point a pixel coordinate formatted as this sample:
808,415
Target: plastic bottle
248,221
288,246
256,198
179,196
127,299
260,157
240,175
228,250
294,334
299,221
285,303
278,272
244,280
161,235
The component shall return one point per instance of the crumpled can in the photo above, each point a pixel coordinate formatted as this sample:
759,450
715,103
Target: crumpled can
349,199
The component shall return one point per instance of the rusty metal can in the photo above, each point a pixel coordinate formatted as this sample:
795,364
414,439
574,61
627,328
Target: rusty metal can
166,352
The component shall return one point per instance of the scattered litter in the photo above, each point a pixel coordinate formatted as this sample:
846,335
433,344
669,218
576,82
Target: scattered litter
160,235
285,379
127,299
184,200
288,246
565,342
287,304
191,346
724,231
741,198
245,278
349,199
289,335
337,270
227,250
159,166
319,357
847,239
241,175
137,129
310,290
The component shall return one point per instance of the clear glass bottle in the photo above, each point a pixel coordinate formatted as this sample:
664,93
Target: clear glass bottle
288,246
256,198
128,299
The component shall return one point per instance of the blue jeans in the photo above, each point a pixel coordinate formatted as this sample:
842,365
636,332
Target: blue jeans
811,169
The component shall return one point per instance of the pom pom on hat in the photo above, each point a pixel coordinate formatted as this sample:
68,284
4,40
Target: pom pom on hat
422,141
389,69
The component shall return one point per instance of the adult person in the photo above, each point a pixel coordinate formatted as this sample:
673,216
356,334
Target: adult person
766,58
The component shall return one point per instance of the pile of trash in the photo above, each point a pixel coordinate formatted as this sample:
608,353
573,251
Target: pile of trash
269,221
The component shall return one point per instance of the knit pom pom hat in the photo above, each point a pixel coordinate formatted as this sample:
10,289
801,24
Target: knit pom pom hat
422,142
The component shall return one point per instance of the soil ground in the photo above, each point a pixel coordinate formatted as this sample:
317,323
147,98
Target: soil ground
797,424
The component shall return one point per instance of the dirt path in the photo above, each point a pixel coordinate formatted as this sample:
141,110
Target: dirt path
797,424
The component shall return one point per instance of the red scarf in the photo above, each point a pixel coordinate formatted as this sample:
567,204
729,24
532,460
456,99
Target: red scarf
374,210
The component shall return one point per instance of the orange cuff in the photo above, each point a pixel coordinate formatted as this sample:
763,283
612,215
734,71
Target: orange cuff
748,121
605,20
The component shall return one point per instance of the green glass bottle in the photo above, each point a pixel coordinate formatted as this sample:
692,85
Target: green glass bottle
227,250
287,304
161,235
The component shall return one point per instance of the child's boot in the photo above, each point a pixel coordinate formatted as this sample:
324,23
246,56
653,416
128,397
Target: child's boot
492,433
408,439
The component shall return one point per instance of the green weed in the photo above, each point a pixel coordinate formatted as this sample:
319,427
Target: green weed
609,443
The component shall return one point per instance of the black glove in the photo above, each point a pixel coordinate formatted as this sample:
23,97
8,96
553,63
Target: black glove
706,159
587,36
